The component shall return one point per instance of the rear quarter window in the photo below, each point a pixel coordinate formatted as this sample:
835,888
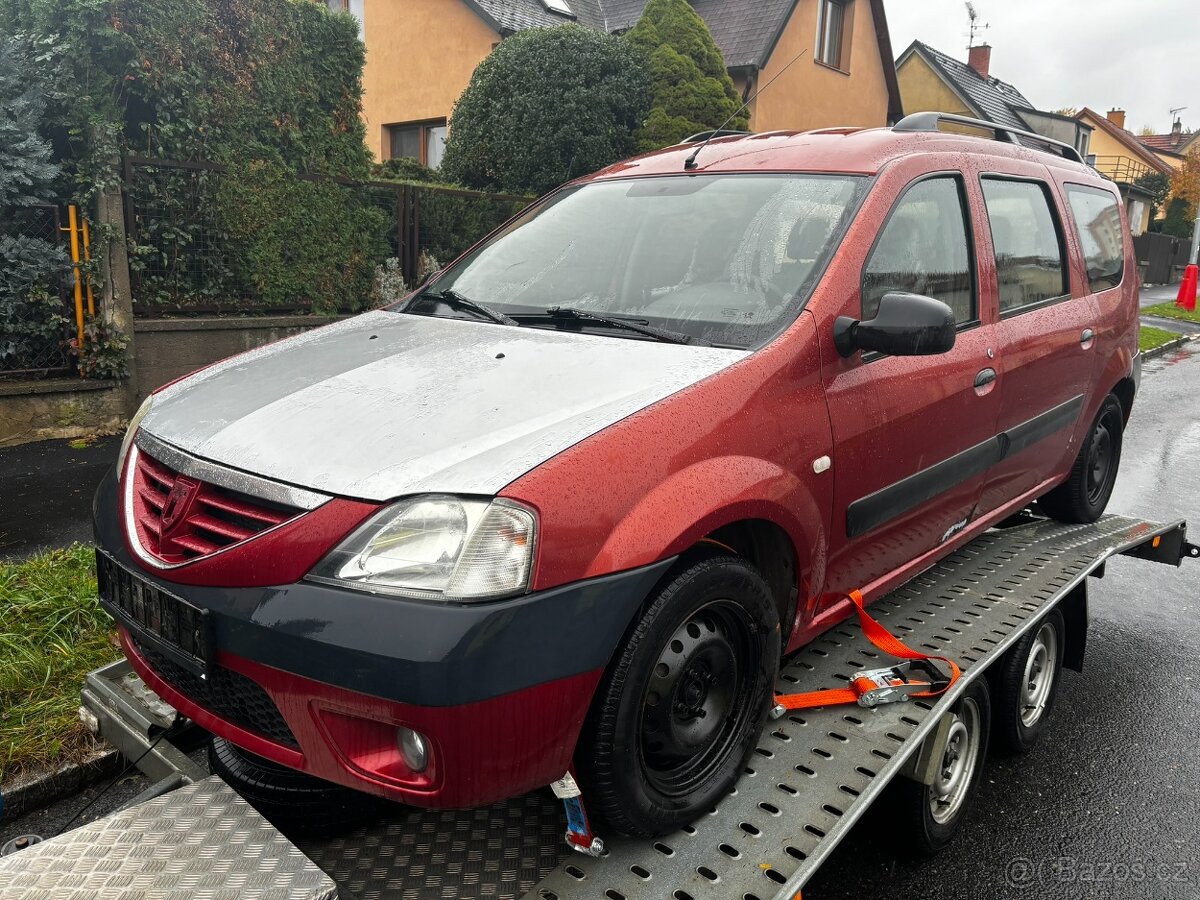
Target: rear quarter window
1101,237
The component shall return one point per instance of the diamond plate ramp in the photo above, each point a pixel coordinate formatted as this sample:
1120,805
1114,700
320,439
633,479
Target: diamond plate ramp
201,842
495,853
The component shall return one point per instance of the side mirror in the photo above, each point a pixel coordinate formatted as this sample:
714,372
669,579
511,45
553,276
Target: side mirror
905,325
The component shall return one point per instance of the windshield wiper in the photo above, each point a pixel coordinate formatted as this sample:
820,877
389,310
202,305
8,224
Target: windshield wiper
455,300
567,314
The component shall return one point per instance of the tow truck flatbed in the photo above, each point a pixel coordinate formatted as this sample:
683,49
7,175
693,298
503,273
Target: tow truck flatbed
813,775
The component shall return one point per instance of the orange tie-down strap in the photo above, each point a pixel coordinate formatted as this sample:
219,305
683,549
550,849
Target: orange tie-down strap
863,686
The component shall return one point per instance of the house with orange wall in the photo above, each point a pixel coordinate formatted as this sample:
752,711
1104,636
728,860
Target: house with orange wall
421,53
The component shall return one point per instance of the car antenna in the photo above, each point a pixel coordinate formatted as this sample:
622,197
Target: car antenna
690,163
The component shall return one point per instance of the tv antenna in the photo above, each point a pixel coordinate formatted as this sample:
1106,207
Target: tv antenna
973,15
1175,113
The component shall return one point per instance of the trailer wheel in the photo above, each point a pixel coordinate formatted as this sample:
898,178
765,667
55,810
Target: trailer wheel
1084,495
684,701
1027,684
292,800
933,813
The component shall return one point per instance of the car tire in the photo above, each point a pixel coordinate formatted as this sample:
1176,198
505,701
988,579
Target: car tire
1084,495
683,703
294,801
927,817
1026,685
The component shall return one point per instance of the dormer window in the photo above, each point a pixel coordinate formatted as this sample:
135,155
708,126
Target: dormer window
559,6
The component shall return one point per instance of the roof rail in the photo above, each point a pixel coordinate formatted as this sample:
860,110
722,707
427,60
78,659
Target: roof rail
713,135
930,121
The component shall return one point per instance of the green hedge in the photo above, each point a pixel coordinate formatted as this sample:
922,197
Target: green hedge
269,89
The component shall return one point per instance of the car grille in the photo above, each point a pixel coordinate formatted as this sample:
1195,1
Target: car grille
226,694
179,519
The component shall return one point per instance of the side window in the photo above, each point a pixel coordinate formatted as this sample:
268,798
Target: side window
1028,242
1098,223
924,249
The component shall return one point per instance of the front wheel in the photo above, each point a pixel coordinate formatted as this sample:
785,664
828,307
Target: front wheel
1084,495
682,705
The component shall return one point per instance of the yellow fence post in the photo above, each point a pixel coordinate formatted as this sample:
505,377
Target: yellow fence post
87,257
73,227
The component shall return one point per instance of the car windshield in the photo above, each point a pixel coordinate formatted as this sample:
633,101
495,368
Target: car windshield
724,259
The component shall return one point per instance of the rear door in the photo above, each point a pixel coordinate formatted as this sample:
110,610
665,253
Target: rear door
913,436
1046,334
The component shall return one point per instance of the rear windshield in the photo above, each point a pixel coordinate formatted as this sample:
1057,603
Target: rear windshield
728,259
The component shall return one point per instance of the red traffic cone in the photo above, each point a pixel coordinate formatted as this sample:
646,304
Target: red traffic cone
1187,289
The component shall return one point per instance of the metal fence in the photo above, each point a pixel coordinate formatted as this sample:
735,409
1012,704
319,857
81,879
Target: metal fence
37,323
1163,256
186,258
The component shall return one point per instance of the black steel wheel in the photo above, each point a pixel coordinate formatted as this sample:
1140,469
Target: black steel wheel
1026,684
685,700
1085,493
928,816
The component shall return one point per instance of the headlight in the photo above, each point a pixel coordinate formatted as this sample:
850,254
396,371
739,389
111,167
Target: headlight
437,548
127,441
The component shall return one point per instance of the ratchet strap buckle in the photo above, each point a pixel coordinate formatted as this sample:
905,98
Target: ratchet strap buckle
899,683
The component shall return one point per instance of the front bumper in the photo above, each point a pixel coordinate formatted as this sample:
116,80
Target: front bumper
318,678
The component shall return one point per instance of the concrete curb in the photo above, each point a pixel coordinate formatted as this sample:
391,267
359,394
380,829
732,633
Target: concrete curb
1169,346
32,792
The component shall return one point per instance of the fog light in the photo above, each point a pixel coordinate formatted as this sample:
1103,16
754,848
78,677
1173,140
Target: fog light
412,748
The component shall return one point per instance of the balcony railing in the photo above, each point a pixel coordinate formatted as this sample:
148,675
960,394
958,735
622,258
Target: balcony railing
1121,169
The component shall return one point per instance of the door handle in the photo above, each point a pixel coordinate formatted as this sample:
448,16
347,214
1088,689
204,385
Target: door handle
1086,339
984,378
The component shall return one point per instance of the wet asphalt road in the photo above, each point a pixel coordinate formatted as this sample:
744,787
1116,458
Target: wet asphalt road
47,489
1108,805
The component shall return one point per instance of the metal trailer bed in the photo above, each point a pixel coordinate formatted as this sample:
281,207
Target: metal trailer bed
811,778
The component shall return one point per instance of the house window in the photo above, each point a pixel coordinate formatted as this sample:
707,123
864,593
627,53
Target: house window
355,8
422,141
559,6
833,41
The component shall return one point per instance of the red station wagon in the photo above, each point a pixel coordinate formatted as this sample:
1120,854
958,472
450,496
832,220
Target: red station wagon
565,507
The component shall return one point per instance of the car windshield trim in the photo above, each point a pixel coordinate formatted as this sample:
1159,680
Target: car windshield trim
706,255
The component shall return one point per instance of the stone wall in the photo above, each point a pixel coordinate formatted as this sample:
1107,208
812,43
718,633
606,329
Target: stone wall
161,351
165,349
61,408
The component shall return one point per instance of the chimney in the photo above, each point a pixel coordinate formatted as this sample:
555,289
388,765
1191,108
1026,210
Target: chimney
1117,117
980,58
1176,132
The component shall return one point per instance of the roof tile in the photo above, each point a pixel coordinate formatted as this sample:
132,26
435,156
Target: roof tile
745,30
996,100
518,15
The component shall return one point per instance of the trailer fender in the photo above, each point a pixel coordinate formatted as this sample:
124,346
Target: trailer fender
1074,608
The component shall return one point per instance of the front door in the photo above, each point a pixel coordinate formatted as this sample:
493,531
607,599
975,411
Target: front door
913,436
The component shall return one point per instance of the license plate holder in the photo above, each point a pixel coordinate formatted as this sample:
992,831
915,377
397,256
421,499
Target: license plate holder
169,624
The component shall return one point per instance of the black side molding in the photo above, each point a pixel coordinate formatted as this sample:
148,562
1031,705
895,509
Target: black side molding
896,499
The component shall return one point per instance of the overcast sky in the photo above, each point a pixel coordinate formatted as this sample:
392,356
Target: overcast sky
1141,56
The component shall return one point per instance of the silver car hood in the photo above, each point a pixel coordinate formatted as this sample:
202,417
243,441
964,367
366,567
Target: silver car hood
388,404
